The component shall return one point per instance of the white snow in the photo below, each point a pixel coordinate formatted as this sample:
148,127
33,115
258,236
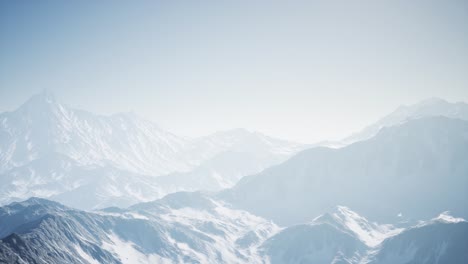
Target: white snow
85,255
372,234
83,142
447,218
127,252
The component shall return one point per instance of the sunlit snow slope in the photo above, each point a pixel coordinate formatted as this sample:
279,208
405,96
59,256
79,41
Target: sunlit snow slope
50,150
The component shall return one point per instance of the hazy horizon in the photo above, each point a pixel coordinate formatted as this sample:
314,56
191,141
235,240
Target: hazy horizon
302,71
58,100
249,131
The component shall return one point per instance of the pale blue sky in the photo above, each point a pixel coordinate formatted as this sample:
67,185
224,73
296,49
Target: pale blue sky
301,70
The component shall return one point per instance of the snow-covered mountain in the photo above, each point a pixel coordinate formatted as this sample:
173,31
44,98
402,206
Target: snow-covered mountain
42,126
402,168
441,240
337,236
50,150
411,166
196,228
205,231
313,243
343,236
238,153
370,233
63,179
426,108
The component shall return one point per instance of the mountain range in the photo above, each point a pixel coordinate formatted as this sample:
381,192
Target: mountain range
421,162
195,228
120,189
53,151
431,107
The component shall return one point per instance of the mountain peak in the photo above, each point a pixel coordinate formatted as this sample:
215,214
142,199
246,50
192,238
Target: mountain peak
35,202
430,107
445,217
45,96
39,201
345,219
337,215
428,102
234,132
432,101
42,100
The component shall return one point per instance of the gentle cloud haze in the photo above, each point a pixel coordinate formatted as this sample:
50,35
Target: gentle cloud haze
301,70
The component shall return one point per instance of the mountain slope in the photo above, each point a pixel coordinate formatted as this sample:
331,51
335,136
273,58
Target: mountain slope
428,108
437,241
369,233
341,236
195,228
163,233
42,126
53,151
239,153
62,179
313,243
403,167
338,236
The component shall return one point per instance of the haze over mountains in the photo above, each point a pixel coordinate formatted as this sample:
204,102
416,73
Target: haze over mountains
50,150
422,161
426,108
270,200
